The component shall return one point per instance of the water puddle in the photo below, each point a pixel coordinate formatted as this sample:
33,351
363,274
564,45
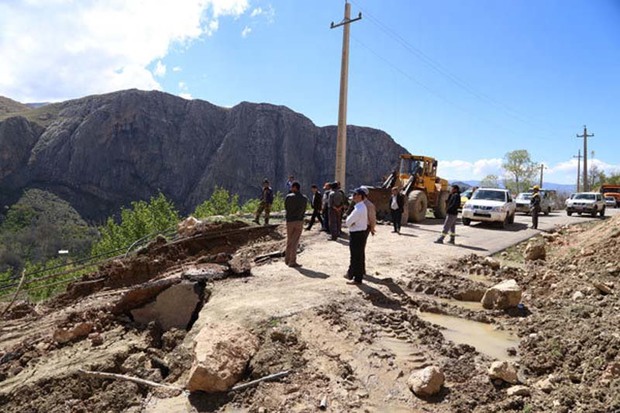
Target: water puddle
486,340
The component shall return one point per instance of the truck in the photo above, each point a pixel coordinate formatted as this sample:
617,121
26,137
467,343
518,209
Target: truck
612,190
416,177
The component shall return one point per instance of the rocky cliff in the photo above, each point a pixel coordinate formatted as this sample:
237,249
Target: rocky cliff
102,152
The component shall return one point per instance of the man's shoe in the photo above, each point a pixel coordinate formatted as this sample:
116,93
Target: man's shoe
295,265
451,241
439,241
353,282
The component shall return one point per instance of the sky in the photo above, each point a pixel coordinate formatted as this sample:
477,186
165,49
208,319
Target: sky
464,81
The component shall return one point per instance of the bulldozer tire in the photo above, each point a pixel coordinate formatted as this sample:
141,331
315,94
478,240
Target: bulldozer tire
417,205
441,209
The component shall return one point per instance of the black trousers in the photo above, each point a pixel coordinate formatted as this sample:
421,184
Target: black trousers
535,212
397,217
357,243
315,214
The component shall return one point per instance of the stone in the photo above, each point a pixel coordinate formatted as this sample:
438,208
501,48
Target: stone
518,391
470,295
506,294
426,382
577,295
546,384
173,308
221,354
491,262
206,272
142,294
96,339
79,331
602,287
503,370
535,250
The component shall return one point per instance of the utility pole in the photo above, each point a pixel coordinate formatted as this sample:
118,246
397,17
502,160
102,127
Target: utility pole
341,142
585,136
542,166
578,166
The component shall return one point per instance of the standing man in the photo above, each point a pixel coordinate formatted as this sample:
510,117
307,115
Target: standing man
397,207
535,206
335,204
317,201
295,206
289,183
449,225
372,221
266,199
325,209
357,222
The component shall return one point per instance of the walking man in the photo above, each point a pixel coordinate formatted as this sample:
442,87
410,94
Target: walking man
266,199
335,204
397,207
316,202
357,222
295,205
325,209
535,206
372,221
449,225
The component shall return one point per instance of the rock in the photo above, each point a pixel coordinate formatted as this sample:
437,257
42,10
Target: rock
586,252
611,372
206,272
469,295
96,339
81,330
546,384
577,295
142,294
221,355
503,370
506,294
535,250
518,391
491,262
426,382
174,307
603,288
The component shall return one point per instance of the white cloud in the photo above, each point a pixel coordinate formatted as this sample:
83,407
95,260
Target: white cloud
177,69
58,49
256,12
187,96
246,31
160,69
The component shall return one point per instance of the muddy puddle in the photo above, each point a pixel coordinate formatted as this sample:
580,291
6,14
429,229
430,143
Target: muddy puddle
487,340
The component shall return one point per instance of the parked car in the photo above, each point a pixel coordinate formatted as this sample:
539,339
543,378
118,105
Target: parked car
610,201
547,201
466,195
490,205
586,202
568,199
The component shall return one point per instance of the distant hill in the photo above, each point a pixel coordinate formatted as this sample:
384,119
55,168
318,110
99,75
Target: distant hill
102,152
10,106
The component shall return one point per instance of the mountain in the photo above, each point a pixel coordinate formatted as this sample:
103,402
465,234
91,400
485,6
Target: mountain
102,152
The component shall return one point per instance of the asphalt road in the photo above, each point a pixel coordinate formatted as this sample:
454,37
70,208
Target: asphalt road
487,238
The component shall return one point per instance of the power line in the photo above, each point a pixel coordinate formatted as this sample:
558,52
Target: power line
585,136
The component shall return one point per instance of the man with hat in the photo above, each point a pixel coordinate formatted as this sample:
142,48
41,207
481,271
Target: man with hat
335,205
357,222
535,206
452,211
266,199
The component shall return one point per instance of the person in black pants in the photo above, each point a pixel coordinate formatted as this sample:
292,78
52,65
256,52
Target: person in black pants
357,222
397,207
317,204
535,206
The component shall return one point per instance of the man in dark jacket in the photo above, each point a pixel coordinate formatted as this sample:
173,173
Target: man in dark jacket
295,205
317,205
397,207
449,225
266,199
535,206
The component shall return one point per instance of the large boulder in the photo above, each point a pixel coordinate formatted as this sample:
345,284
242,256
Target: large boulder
174,307
503,370
221,355
535,250
506,294
426,382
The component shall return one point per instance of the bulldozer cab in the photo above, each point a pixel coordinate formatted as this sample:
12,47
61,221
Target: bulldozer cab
418,172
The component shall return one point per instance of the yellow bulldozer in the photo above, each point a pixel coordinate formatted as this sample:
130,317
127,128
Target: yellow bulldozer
418,181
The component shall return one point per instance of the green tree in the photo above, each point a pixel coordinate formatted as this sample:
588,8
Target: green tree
144,218
490,181
596,177
220,203
278,202
520,170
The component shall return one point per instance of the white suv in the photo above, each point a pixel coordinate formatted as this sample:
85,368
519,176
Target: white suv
490,205
586,202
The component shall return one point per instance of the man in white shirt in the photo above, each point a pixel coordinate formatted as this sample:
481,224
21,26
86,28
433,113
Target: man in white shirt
357,222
